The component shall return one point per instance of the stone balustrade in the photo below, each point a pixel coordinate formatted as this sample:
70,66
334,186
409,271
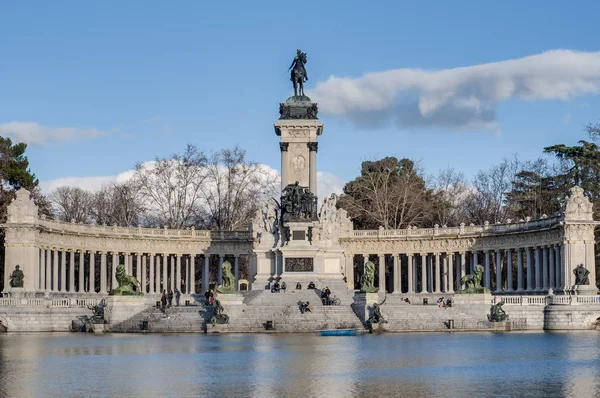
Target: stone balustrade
39,302
546,300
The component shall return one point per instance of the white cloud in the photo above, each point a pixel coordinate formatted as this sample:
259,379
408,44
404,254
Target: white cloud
36,134
328,183
464,97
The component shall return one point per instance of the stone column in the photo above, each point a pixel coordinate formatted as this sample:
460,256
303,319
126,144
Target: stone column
557,268
138,269
463,265
538,270
55,271
192,277
128,265
178,273
91,278
436,257
283,146
520,287
220,271
44,271
450,257
551,272
142,266
509,273
158,259
529,270
349,273
396,259
115,262
236,271
103,273
152,280
71,271
410,274
423,273
169,259
205,280
312,164
545,268
498,271
381,266
63,272
444,282
81,278
474,261
486,258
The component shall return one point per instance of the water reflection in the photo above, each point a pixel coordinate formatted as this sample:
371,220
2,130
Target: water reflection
415,365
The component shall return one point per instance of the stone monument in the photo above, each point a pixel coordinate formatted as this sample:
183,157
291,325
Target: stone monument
294,244
124,301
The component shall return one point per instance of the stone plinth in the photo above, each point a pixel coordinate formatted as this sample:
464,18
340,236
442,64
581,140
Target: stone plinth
230,299
363,302
121,308
585,290
484,299
16,292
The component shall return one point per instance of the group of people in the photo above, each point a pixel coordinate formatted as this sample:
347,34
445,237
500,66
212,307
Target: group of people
166,299
444,304
305,306
325,296
277,288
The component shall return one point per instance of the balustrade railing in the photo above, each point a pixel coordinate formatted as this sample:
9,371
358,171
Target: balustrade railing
46,302
546,300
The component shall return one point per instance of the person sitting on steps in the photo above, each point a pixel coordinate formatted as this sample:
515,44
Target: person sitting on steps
275,288
298,286
283,286
311,285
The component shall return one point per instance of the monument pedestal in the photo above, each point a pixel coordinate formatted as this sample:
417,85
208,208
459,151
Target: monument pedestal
16,292
363,302
121,308
230,298
484,299
585,290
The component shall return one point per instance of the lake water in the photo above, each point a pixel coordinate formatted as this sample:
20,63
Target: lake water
270,365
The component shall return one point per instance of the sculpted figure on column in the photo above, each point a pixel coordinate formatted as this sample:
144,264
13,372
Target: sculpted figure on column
581,275
128,285
367,281
16,277
471,283
228,284
298,75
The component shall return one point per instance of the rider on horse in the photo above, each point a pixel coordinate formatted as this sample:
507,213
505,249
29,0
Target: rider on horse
298,75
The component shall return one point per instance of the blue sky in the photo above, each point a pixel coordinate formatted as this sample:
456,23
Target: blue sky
104,85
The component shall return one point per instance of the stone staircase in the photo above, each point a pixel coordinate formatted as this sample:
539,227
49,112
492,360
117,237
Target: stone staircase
175,320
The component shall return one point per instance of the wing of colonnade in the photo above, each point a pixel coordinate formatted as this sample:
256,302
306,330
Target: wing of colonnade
51,254
525,257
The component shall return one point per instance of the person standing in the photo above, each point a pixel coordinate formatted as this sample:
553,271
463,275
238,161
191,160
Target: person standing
170,298
163,300
177,296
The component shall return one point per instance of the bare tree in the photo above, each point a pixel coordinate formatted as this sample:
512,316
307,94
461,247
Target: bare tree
171,188
450,190
71,204
235,189
118,204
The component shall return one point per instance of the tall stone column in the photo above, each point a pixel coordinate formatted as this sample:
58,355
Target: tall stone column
450,257
103,274
81,287
463,265
283,146
178,273
312,156
498,271
44,272
138,270
423,272
530,280
152,280
520,285
396,259
92,281
538,270
115,263
557,268
62,287
436,257
192,277
236,271
551,272
349,273
220,271
410,267
205,271
71,271
545,268
55,271
172,284
381,266
509,272
474,262
158,259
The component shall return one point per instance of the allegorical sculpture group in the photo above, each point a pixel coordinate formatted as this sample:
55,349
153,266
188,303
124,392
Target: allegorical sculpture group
298,204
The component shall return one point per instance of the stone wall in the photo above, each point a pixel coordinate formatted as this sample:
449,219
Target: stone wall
40,319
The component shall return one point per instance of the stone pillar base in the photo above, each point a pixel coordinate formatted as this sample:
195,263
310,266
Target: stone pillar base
16,292
585,290
363,302
121,308
230,299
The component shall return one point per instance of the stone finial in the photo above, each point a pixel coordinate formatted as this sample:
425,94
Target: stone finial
486,224
544,216
527,219
509,221
578,206
22,210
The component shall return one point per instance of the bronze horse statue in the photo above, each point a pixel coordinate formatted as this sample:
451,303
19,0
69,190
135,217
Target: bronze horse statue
298,75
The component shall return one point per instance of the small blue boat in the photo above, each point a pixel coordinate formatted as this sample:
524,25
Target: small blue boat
339,332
